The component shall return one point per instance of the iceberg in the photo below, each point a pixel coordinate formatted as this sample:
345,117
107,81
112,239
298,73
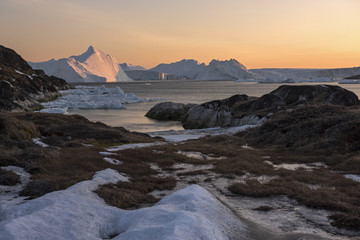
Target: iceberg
84,97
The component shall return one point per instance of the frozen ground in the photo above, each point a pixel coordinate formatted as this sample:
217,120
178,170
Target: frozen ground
92,98
78,213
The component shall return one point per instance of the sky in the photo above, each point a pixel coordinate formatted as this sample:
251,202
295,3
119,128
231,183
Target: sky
258,33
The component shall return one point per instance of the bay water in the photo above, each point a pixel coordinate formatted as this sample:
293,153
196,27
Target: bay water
133,118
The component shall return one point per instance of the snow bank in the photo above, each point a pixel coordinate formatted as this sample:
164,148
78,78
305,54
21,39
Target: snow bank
191,213
92,98
78,213
74,213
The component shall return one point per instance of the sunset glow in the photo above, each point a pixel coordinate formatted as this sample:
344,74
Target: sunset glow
258,33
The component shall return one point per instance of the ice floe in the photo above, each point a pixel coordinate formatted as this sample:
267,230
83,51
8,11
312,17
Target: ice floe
84,97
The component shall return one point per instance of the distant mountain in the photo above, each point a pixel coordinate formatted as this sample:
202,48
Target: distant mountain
91,66
303,75
21,87
216,70
130,67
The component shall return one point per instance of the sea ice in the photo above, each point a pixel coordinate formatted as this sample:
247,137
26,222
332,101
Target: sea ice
92,98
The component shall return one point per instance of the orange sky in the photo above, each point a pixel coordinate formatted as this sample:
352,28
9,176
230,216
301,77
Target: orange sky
258,33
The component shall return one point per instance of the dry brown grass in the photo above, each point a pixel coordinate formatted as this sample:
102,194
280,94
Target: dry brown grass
8,178
128,195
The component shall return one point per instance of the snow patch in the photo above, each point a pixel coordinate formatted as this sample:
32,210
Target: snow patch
295,166
40,143
134,145
107,153
183,135
199,155
112,161
9,195
354,177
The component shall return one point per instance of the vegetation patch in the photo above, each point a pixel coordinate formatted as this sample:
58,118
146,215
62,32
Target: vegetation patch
128,195
8,178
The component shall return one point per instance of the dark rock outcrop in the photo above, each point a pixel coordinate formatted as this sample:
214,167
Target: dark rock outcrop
169,111
240,110
353,77
21,87
214,113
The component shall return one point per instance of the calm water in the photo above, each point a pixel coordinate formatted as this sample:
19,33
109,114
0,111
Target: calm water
133,117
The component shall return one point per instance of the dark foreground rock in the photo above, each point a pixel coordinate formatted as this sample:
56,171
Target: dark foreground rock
242,110
21,87
169,111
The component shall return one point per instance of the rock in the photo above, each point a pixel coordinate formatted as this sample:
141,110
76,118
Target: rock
240,110
169,111
213,114
317,94
21,87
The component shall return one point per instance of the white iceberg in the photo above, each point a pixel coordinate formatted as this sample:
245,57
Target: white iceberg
92,98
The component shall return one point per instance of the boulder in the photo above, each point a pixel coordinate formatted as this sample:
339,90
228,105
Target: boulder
213,114
240,110
169,111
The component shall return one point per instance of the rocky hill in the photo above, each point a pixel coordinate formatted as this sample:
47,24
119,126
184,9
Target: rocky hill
21,87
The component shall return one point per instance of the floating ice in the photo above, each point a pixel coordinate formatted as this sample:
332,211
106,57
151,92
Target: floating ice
93,98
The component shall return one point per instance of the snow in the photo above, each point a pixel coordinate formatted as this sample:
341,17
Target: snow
9,195
78,213
91,66
92,98
24,74
107,153
112,161
40,143
183,135
295,166
354,177
133,145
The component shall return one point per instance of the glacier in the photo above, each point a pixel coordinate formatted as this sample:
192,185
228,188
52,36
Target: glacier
92,66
